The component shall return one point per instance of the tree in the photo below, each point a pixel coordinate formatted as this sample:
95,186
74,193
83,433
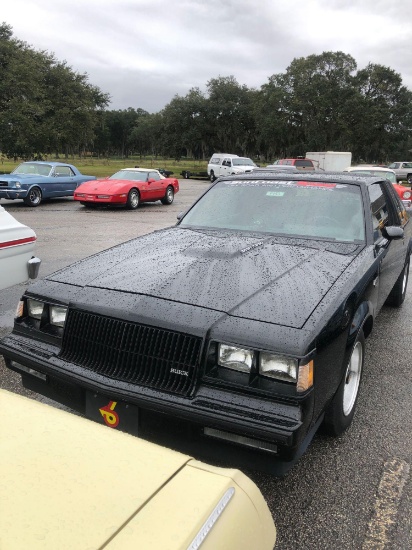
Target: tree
230,115
381,114
44,105
186,131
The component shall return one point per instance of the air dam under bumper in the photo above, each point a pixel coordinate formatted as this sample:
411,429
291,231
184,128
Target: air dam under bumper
13,194
182,419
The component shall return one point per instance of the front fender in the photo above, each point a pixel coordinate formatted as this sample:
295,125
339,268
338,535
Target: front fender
361,315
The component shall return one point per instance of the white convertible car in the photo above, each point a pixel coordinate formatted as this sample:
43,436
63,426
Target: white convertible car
17,242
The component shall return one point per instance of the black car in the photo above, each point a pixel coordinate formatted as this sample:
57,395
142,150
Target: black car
234,334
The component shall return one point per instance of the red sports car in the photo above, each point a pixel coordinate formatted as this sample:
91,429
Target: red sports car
128,187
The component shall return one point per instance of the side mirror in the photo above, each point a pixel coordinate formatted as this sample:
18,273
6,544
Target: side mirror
180,215
393,232
151,180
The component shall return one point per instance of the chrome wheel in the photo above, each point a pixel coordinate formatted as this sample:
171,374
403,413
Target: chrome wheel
33,197
352,378
133,199
169,196
405,279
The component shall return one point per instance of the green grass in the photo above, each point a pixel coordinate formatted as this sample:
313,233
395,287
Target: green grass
106,167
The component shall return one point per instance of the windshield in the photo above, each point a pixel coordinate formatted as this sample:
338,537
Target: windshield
301,208
243,162
33,168
133,175
380,173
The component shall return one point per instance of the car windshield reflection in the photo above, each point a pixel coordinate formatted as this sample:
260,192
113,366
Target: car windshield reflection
243,162
33,168
379,173
130,175
301,208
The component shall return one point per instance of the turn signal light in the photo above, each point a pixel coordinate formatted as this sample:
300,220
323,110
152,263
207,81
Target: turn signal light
305,377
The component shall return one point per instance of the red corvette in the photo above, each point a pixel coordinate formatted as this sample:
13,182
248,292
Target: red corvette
128,187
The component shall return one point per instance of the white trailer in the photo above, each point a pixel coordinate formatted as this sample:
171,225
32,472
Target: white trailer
335,161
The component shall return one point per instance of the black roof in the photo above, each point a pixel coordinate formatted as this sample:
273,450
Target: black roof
329,177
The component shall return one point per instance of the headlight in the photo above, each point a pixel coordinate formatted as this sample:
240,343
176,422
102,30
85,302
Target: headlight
231,357
35,308
58,315
17,184
277,366
407,195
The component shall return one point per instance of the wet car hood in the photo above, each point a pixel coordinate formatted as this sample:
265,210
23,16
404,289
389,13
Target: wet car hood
271,279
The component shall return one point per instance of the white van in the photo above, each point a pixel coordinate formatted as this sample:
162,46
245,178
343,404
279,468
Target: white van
224,164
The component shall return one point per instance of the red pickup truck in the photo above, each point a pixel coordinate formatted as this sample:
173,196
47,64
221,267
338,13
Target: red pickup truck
300,163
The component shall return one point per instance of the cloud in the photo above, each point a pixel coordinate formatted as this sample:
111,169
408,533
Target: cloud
144,52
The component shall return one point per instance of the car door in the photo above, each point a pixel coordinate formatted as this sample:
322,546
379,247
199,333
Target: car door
226,168
64,181
391,253
156,187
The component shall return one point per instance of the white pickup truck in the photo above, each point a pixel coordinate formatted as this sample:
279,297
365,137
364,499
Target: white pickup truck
403,171
224,164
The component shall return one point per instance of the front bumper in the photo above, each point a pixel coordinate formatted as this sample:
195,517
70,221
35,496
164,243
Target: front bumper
284,425
112,199
12,193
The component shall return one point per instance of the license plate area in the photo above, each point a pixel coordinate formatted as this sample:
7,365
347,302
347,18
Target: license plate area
112,413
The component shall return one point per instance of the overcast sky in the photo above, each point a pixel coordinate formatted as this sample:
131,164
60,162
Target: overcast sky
143,52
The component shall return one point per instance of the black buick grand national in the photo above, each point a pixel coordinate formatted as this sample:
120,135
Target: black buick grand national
236,333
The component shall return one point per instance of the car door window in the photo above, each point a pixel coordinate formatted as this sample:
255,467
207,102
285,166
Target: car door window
400,217
154,176
379,210
63,171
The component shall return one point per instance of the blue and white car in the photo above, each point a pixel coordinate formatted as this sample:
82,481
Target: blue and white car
34,181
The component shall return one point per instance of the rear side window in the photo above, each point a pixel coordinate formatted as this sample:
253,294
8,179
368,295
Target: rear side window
304,163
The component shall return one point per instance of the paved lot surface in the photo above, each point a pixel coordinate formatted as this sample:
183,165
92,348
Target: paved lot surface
353,492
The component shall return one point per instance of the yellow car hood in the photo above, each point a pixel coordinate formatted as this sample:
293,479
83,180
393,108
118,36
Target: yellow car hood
67,482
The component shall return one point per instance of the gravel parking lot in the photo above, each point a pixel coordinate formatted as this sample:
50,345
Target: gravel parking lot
353,492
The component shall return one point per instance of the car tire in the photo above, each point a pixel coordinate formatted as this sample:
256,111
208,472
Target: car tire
133,199
169,196
212,176
88,204
409,179
187,175
398,292
339,414
34,197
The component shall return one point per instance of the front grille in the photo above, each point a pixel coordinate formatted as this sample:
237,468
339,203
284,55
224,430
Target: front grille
4,183
130,352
